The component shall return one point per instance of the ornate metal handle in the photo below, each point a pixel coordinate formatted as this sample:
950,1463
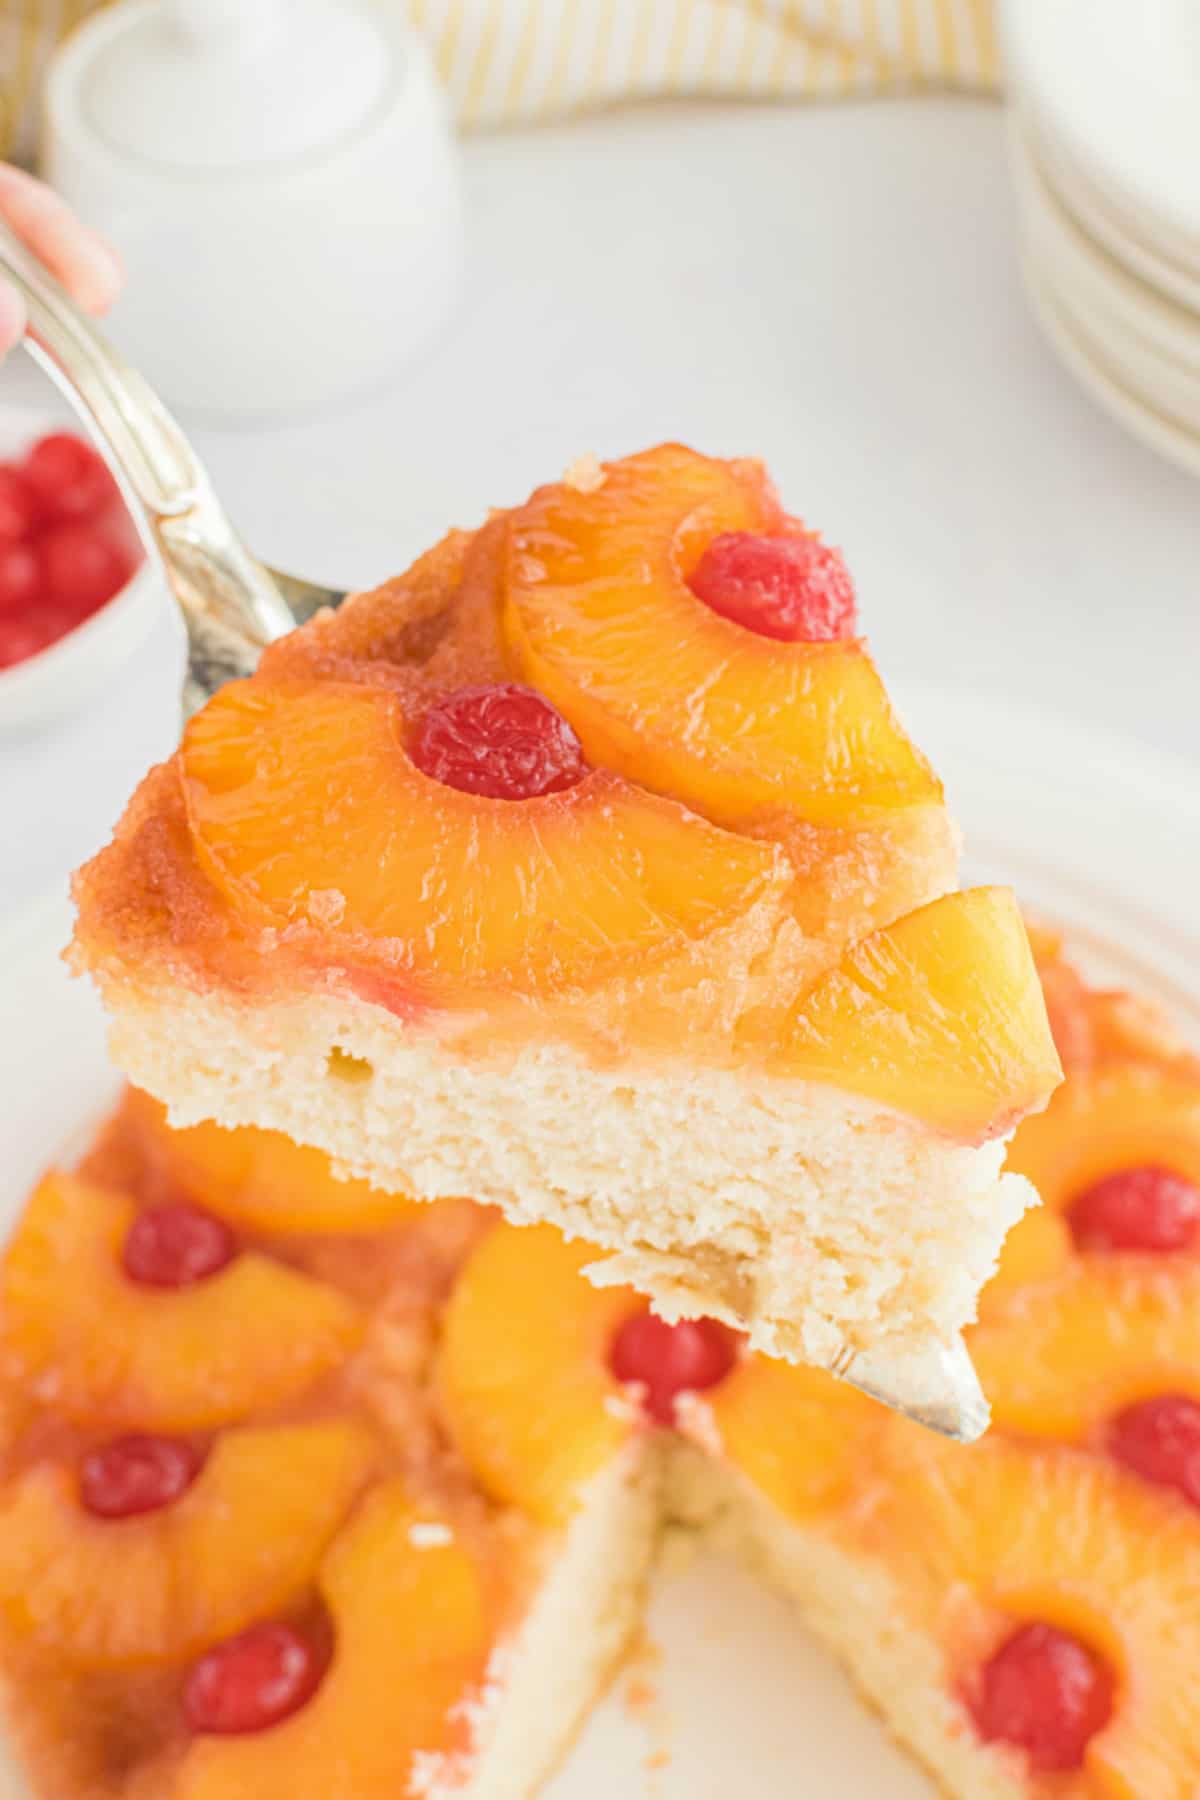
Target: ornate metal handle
230,604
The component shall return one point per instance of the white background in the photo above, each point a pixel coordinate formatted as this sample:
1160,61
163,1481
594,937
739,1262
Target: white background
834,288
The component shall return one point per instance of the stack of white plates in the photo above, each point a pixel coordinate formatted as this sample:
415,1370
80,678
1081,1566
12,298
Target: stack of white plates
1106,147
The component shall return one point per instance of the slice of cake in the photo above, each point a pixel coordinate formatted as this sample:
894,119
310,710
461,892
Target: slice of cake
587,869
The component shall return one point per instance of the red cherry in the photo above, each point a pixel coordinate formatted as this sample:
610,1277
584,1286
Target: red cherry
252,1681
1046,1692
793,587
20,638
18,505
25,634
136,1475
505,742
20,577
1159,1440
176,1245
1137,1209
81,567
69,479
669,1360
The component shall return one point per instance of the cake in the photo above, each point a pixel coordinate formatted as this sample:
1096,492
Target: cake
388,1537
587,869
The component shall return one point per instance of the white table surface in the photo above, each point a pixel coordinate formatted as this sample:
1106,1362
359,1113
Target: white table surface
833,289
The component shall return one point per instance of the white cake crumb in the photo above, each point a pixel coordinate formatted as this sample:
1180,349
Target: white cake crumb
438,1773
433,1773
429,1534
696,1419
626,1407
326,906
585,475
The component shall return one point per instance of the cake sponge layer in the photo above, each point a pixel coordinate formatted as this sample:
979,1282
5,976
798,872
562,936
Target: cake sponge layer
815,1222
588,1607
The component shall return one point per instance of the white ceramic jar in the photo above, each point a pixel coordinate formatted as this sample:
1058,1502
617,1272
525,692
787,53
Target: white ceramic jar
279,177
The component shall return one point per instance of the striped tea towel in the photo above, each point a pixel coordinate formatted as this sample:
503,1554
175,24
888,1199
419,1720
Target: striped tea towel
524,60
506,60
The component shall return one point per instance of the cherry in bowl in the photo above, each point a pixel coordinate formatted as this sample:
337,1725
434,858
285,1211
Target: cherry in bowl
67,544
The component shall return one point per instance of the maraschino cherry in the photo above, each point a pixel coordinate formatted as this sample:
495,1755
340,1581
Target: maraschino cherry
252,1681
790,587
137,1474
1148,1208
669,1360
1046,1692
1159,1440
504,742
176,1245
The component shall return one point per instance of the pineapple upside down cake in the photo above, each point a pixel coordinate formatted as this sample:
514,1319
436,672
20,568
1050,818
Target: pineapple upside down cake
310,1492
586,869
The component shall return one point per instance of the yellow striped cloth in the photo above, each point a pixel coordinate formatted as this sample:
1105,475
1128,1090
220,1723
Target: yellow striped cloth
505,60
510,60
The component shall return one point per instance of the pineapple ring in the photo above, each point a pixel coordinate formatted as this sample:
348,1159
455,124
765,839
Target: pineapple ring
77,1330
525,893
254,1522
1016,1534
600,618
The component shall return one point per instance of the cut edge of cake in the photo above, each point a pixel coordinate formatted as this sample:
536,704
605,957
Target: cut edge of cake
646,1512
569,1644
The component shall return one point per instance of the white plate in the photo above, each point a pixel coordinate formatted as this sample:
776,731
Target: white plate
1123,233
1120,85
1150,322
1137,351
1096,831
1164,387
1110,387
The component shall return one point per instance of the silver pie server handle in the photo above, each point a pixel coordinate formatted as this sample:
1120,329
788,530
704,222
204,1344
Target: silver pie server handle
232,604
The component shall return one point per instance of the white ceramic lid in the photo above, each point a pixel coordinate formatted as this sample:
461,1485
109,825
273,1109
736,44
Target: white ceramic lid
212,84
1120,84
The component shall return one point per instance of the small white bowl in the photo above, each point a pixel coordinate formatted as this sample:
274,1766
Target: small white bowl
59,679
